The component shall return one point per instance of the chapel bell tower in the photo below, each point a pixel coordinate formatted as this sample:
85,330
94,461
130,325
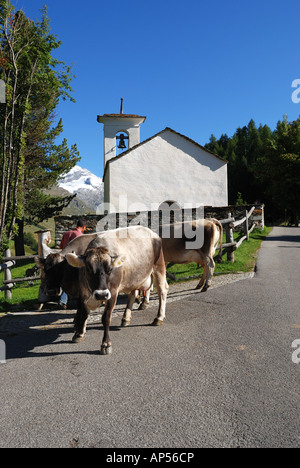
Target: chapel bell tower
121,132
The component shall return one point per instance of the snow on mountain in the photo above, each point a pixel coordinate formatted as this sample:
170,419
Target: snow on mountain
88,187
79,178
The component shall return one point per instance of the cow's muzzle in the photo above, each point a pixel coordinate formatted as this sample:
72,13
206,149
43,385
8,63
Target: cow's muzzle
102,295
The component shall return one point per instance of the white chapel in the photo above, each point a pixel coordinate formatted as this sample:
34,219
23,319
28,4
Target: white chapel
166,167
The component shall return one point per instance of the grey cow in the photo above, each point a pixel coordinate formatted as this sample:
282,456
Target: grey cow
121,260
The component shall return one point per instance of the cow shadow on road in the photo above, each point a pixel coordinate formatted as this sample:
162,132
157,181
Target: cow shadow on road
47,343
54,341
24,333
49,333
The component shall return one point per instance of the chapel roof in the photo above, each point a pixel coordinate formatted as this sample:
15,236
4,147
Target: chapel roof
167,129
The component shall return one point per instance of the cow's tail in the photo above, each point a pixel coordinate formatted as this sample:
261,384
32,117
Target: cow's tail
220,227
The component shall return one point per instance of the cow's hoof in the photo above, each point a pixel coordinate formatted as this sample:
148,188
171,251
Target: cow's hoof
105,350
157,322
125,323
77,338
143,306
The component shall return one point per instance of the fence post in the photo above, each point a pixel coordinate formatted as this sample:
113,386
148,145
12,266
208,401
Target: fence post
7,276
229,239
247,225
44,239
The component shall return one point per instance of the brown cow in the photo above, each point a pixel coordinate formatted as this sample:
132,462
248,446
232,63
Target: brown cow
194,241
121,260
178,240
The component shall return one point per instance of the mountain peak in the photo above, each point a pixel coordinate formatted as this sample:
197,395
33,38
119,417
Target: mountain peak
80,178
88,187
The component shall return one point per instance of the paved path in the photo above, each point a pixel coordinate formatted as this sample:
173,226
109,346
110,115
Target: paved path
18,322
219,373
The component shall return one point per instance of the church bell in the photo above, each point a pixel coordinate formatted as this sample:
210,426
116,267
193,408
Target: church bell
122,138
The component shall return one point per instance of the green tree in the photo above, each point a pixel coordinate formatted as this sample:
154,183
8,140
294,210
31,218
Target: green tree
278,169
264,165
242,151
30,160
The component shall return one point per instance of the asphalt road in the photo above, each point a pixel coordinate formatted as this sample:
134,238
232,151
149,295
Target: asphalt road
219,373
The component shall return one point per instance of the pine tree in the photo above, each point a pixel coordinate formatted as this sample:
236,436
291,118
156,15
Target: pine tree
278,169
35,82
264,165
242,151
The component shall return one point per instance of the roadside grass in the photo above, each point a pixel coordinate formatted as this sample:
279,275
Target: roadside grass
25,297
245,258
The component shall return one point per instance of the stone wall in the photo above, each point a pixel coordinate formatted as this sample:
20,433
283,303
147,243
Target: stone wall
154,219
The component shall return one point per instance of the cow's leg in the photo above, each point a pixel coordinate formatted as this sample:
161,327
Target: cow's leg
80,322
106,347
204,276
210,268
202,280
127,314
209,264
146,298
159,274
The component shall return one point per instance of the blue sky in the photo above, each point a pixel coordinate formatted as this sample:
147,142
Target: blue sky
198,67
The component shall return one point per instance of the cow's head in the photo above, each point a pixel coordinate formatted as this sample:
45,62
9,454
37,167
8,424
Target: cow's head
52,271
99,268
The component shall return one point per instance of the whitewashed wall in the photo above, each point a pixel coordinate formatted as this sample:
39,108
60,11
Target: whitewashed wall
168,167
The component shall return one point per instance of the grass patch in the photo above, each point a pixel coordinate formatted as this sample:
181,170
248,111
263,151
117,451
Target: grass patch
245,258
24,296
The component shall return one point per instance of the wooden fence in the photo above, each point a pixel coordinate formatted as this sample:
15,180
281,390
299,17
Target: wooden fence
229,224
9,283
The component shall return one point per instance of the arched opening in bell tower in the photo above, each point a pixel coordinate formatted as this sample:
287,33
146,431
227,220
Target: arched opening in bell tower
122,142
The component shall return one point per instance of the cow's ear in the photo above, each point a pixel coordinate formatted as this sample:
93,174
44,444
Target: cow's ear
118,261
75,261
39,261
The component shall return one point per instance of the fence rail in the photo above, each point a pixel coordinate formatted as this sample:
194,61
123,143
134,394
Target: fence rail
26,257
9,283
229,224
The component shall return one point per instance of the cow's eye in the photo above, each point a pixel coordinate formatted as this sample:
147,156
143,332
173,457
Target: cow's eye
108,270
